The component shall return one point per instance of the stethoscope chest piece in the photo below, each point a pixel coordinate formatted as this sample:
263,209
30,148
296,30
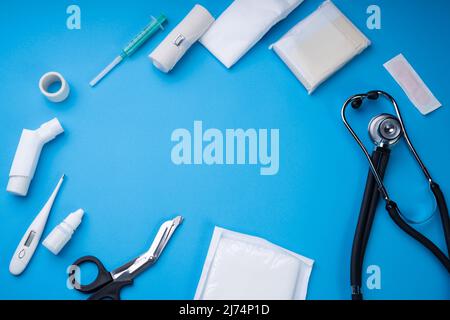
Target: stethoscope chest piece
385,130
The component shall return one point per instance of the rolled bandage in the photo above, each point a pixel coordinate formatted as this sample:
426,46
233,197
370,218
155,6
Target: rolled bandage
51,78
182,37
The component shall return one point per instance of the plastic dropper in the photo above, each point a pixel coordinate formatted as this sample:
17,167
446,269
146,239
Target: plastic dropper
132,47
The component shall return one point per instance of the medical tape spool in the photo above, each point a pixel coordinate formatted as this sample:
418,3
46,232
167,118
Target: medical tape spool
50,78
181,38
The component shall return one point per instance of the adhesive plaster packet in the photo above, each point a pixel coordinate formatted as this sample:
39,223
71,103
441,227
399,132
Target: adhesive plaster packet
411,83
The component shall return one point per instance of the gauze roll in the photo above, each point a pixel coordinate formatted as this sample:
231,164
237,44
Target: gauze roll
320,45
242,267
242,25
181,38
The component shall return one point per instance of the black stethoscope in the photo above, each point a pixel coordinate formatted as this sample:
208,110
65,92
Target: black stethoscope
385,131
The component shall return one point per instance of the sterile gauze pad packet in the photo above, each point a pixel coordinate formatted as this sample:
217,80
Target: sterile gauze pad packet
242,25
242,267
411,83
320,45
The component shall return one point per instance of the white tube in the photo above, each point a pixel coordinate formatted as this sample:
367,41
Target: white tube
27,155
181,38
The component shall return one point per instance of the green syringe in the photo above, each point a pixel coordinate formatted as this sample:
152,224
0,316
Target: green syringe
132,47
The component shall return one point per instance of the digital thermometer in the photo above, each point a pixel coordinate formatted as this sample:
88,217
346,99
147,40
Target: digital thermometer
30,240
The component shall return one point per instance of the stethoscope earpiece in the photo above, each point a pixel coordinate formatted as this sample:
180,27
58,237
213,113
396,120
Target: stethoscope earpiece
358,100
357,103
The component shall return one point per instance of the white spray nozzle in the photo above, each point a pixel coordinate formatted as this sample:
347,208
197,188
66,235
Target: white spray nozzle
74,219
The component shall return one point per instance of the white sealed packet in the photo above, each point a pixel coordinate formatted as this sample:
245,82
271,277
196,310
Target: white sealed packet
243,267
242,25
320,45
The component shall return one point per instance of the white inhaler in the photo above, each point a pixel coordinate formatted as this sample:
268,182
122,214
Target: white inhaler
59,237
27,155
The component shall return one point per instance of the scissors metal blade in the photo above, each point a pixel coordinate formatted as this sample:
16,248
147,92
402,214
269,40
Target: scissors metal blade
163,236
159,243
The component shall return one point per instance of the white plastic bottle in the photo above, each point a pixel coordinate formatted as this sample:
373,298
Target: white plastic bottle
59,237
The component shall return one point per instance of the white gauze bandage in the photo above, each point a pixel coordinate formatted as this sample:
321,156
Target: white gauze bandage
181,38
320,45
242,267
414,87
242,25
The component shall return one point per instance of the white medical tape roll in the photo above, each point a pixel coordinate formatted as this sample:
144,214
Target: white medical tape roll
182,37
50,78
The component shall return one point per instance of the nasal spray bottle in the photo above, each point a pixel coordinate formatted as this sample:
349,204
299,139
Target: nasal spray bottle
59,237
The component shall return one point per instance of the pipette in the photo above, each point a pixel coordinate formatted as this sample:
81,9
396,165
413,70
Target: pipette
132,47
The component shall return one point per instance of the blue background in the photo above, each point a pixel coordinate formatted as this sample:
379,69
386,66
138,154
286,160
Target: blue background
116,148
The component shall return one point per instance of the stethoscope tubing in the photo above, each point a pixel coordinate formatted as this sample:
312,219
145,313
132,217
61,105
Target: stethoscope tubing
369,203
380,157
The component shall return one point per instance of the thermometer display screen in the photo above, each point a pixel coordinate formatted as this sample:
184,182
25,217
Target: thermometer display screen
30,238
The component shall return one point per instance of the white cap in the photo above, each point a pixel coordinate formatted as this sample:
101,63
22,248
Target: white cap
59,237
18,185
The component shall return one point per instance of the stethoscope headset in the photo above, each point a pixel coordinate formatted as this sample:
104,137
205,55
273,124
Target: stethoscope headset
385,131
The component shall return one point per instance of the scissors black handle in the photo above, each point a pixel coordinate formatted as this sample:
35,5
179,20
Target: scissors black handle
104,286
112,290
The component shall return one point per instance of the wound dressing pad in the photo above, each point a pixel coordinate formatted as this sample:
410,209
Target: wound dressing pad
242,25
242,267
411,83
320,45
181,38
